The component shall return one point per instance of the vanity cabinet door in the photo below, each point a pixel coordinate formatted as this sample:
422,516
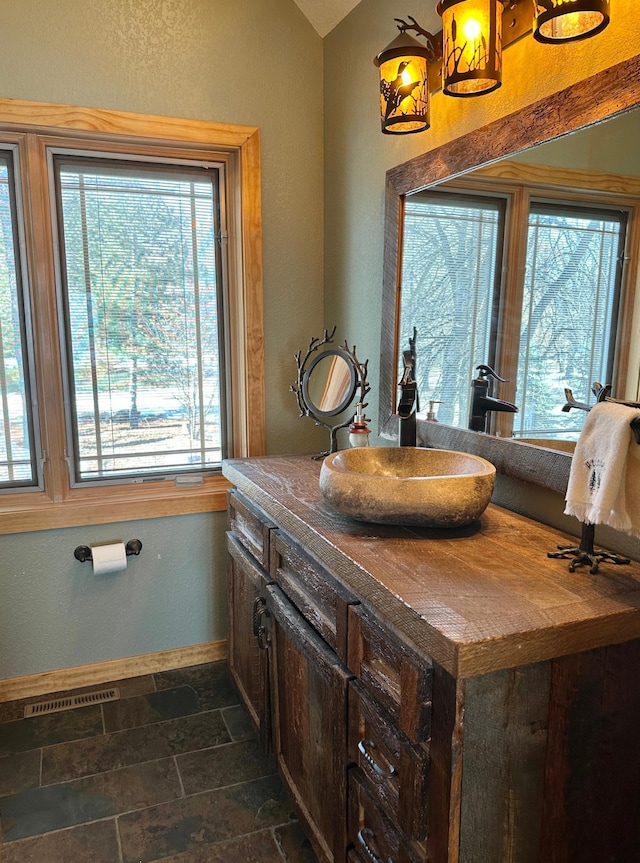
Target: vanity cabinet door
248,656
309,701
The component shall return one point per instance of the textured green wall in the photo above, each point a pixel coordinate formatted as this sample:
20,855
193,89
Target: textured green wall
257,63
55,613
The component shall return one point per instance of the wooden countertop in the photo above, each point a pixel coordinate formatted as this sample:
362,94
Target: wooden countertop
476,599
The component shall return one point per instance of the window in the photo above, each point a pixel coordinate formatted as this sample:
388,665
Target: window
18,445
545,321
141,285
130,302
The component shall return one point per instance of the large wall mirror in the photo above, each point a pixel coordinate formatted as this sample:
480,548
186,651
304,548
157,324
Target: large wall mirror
514,190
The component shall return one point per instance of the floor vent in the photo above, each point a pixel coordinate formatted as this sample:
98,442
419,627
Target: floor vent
55,705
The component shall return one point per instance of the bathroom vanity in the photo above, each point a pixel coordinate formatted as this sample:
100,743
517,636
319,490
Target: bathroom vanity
432,695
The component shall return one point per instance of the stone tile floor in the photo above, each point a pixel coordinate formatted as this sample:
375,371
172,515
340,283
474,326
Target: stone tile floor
171,772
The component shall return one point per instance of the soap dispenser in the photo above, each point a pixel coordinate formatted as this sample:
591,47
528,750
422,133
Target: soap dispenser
431,414
359,430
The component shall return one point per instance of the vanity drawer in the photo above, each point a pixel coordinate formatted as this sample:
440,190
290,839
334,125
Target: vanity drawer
317,595
396,676
373,836
397,772
251,526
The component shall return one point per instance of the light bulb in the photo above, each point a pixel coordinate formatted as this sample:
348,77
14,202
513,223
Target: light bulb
472,29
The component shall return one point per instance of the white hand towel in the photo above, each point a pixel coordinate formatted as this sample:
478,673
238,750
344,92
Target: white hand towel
604,481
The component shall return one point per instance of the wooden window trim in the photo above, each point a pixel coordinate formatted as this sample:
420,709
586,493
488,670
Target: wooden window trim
36,126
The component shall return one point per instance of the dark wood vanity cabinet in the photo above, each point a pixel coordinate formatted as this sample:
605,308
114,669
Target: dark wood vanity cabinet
434,697
335,730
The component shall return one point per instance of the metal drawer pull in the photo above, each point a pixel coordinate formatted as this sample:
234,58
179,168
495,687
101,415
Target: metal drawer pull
259,629
386,772
365,835
258,604
264,637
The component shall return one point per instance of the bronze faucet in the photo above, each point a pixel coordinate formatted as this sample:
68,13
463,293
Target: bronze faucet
482,402
409,403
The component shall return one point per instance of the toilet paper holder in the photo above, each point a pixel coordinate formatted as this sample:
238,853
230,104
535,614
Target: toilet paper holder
83,552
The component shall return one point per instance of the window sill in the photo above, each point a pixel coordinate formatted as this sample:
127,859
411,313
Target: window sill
100,506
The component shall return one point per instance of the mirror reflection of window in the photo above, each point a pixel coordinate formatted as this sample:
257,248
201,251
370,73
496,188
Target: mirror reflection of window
546,321
450,267
330,384
569,313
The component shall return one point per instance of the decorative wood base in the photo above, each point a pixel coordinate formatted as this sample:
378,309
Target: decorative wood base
111,670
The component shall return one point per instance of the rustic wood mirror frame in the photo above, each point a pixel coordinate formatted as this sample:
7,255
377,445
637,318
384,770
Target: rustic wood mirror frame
593,100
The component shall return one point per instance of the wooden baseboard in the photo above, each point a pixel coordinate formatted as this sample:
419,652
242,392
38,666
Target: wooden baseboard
111,670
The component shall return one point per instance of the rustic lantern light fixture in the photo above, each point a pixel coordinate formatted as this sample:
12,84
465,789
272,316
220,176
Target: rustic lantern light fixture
465,58
569,20
471,46
404,85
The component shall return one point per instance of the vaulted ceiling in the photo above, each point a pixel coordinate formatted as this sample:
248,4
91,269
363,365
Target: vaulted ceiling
325,14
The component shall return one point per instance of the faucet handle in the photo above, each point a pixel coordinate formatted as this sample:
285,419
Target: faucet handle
488,372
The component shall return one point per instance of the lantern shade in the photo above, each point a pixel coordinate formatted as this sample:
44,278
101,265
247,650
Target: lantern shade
471,46
404,87
569,20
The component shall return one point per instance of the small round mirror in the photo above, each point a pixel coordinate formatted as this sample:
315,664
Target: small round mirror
328,380
329,384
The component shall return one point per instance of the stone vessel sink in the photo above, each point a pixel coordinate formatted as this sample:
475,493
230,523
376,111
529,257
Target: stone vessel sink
408,485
